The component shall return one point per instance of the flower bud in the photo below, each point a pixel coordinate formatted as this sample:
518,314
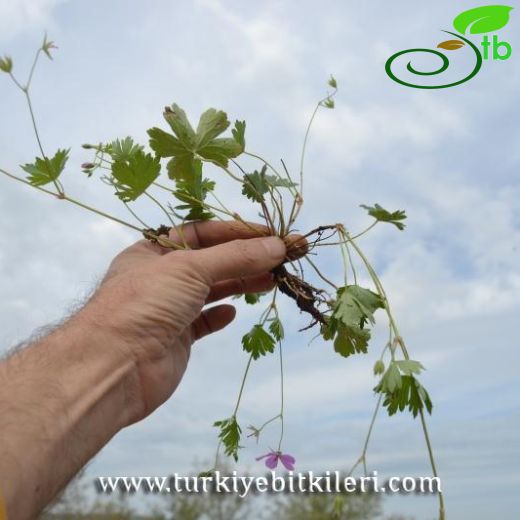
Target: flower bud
379,367
6,64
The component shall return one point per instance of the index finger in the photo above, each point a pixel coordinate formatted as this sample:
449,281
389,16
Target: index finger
208,233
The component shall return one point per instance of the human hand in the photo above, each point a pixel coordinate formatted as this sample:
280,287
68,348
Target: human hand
150,305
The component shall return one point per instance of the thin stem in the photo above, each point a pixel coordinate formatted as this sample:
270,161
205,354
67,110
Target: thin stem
442,511
271,167
127,206
281,396
164,241
163,209
404,350
354,237
29,80
242,386
319,273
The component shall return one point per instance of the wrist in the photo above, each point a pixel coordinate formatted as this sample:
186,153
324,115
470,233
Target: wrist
65,397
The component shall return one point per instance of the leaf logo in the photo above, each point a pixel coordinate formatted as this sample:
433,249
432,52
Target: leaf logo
451,45
480,20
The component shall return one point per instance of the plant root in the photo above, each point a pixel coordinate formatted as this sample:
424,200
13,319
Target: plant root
305,295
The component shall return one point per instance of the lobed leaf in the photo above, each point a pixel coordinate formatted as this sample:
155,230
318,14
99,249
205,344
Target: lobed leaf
135,175
46,170
382,215
258,342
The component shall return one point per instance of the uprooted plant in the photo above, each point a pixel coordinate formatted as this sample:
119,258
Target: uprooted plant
342,314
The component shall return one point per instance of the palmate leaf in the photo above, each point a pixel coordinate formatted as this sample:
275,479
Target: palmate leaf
239,133
382,215
192,193
276,329
258,183
133,177
258,342
211,124
351,340
408,394
356,305
353,309
229,434
123,149
47,170
186,145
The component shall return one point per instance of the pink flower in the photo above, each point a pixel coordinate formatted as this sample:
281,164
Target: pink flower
272,458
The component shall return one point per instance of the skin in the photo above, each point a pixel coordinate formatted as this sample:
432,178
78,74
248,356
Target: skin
120,357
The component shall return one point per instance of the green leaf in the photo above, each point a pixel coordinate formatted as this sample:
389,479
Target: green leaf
356,305
258,342
220,150
480,20
409,394
276,329
255,185
391,380
124,149
351,340
181,167
328,103
44,171
239,134
353,309
165,144
192,191
229,434
6,64
176,118
252,298
258,183
134,176
187,145
382,215
409,367
211,124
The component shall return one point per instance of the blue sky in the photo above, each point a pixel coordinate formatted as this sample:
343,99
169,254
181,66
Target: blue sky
449,157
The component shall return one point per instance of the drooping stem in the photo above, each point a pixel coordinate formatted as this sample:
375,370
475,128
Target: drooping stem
242,384
406,355
362,457
280,350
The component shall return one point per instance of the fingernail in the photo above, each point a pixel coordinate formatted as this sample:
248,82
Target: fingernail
274,246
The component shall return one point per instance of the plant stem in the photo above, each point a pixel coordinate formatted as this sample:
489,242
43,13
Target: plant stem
393,324
61,196
244,377
281,396
363,455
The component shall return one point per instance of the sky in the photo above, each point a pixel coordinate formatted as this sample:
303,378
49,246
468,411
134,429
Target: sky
449,157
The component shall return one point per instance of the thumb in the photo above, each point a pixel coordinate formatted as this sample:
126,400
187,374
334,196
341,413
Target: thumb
238,258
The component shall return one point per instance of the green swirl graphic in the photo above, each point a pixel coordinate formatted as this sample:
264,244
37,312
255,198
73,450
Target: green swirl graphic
441,69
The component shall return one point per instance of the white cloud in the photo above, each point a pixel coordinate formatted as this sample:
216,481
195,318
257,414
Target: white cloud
25,15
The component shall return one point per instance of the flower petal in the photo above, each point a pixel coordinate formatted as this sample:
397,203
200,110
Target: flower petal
288,461
264,456
272,461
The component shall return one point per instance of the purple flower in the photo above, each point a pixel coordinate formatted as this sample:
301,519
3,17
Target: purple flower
272,458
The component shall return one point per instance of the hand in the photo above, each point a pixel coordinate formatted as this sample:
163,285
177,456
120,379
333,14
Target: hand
150,305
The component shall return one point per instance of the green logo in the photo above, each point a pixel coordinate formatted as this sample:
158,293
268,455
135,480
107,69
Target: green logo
481,20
